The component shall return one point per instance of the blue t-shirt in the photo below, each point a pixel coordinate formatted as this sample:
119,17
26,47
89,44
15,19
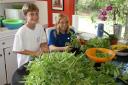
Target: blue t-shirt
59,40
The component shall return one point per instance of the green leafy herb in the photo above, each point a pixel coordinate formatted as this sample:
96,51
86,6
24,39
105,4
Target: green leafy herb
74,41
99,42
101,54
61,68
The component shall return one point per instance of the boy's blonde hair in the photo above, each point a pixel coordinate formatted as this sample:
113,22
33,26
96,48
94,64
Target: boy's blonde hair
62,16
29,7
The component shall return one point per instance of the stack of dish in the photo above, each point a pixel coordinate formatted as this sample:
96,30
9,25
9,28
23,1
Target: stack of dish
120,49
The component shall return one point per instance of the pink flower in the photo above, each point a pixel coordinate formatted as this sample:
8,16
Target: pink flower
102,17
109,8
104,12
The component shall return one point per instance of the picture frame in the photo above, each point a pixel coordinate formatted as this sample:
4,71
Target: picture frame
58,4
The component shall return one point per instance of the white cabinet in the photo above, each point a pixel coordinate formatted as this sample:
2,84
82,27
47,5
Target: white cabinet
6,42
8,59
2,68
11,63
10,1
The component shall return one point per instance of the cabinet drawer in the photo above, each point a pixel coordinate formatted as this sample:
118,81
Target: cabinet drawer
7,42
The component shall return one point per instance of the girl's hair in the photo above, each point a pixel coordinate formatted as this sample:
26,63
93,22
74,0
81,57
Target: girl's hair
29,7
58,26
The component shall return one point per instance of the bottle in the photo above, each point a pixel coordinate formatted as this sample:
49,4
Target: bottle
100,30
1,18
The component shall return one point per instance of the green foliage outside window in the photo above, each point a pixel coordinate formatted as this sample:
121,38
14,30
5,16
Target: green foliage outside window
120,8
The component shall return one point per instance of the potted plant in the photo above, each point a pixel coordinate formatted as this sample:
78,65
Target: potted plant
112,37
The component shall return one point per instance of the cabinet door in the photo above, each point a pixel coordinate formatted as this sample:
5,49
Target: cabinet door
11,63
2,68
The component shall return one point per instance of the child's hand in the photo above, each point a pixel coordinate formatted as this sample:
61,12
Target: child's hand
82,41
44,47
38,53
67,48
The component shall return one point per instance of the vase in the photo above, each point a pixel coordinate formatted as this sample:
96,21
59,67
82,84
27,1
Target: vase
75,24
100,30
117,29
126,28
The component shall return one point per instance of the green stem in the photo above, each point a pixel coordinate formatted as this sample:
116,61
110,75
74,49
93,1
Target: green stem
106,33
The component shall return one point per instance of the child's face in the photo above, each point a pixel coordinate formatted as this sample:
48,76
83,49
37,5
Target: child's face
32,17
63,24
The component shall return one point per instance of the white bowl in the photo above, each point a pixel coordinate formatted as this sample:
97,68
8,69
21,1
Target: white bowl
122,54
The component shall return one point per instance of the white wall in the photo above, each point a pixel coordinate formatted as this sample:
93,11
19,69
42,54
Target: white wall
43,12
2,7
42,5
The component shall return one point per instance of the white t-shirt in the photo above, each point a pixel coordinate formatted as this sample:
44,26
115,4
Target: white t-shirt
28,39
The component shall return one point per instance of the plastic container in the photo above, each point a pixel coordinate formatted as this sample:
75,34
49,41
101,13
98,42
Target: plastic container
91,54
12,23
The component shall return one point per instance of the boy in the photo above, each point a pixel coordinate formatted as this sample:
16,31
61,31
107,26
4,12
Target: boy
30,37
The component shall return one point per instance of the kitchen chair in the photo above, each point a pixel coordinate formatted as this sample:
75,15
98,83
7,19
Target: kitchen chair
48,30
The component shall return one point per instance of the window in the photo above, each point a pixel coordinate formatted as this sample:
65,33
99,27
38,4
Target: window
83,21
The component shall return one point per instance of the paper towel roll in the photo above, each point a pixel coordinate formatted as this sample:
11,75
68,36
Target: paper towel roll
75,21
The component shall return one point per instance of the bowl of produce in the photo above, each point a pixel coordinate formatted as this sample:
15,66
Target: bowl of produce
12,23
100,55
120,49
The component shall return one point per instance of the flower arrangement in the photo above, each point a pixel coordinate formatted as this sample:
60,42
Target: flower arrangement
104,12
114,10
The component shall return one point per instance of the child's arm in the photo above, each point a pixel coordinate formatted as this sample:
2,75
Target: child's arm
55,48
28,52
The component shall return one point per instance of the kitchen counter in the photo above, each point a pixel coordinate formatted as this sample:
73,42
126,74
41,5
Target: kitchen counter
4,32
86,36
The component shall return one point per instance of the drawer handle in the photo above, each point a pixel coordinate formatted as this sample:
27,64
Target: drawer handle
9,53
3,43
0,55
